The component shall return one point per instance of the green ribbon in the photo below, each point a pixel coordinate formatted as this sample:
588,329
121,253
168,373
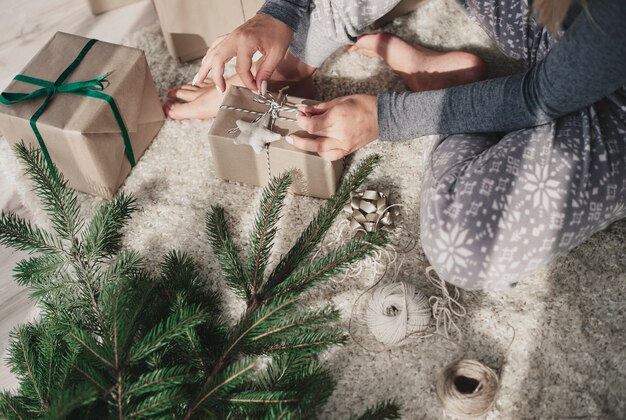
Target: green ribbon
91,88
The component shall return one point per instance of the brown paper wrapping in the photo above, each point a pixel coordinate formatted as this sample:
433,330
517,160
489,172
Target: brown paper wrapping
190,26
313,175
101,6
81,133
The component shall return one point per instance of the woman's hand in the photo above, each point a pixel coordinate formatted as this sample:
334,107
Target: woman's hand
342,125
262,33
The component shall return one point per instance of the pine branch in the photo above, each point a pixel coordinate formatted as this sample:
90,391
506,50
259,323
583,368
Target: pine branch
318,227
22,235
69,399
330,264
224,250
386,410
9,409
261,397
300,322
308,343
156,404
262,237
39,270
228,379
175,325
60,201
82,339
93,375
159,379
23,363
102,238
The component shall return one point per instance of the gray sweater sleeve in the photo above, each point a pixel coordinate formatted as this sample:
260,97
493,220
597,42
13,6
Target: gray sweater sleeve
287,11
587,64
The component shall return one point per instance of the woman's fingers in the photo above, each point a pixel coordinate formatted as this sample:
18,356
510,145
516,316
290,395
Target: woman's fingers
243,67
334,154
267,65
315,145
320,108
315,124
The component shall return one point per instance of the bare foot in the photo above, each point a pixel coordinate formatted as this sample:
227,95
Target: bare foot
421,68
203,101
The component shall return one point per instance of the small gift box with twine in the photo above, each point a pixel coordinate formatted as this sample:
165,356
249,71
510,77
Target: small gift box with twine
235,160
91,106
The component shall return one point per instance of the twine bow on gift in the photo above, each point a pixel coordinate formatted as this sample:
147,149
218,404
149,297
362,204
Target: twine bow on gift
259,133
91,88
368,210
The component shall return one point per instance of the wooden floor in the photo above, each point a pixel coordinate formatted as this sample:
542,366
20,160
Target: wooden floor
27,25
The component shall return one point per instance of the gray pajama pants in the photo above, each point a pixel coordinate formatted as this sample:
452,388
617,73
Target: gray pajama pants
495,208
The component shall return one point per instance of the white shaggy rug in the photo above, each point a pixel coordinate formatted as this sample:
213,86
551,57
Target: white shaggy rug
557,341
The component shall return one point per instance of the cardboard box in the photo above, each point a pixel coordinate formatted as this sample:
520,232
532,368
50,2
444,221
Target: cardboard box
81,133
190,26
101,6
313,175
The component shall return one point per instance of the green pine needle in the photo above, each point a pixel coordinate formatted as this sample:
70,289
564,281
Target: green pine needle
224,250
22,235
69,399
59,201
262,236
327,266
315,231
186,318
102,237
386,410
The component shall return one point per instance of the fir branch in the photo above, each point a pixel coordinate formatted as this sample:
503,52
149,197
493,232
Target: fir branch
9,408
320,224
156,404
386,410
93,376
159,379
39,270
175,325
22,235
262,237
254,318
330,264
102,238
308,343
23,360
224,250
69,399
228,378
261,397
307,320
87,343
60,201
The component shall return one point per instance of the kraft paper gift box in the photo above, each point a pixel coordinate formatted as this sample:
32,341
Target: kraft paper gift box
101,6
313,176
81,124
190,26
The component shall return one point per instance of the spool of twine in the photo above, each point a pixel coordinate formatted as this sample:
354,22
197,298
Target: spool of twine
395,311
467,389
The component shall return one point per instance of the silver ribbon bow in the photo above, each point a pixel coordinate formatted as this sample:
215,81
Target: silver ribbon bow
368,210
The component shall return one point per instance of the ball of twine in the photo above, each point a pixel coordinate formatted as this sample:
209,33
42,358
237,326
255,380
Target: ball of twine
467,389
395,311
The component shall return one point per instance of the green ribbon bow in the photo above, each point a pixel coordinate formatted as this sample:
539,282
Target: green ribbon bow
92,88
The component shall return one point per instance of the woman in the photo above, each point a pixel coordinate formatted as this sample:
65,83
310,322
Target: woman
527,166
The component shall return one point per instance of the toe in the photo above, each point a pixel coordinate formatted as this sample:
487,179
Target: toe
186,111
184,93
